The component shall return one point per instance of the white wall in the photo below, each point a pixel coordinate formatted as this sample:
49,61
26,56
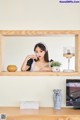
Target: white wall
38,14
30,15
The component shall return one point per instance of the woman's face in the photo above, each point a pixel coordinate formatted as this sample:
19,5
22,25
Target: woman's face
39,53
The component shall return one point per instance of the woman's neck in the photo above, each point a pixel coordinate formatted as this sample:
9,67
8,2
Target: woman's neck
42,60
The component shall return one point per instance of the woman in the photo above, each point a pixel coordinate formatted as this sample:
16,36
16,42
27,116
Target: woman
37,62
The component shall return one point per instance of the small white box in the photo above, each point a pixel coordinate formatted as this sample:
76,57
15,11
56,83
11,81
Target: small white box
29,105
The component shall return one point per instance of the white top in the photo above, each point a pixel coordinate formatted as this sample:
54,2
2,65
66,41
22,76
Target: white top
34,67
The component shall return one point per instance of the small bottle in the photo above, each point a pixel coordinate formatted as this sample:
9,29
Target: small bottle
57,98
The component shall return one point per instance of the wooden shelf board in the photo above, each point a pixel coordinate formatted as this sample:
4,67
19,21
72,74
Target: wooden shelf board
36,32
39,74
42,111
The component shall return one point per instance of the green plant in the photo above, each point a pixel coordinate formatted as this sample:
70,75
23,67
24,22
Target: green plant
55,63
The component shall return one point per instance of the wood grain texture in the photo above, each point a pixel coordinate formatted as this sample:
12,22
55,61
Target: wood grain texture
36,32
39,74
1,45
74,118
77,52
14,113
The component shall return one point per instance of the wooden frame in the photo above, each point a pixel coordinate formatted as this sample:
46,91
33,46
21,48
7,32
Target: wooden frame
42,33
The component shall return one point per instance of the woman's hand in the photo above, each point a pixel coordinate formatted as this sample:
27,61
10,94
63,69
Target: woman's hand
45,69
31,57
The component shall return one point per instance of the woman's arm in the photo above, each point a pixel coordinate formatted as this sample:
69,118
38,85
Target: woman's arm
24,66
46,68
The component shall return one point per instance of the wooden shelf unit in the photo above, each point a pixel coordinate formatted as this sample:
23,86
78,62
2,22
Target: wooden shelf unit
42,33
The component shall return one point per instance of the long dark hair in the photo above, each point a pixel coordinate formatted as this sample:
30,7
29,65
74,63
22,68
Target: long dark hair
43,48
